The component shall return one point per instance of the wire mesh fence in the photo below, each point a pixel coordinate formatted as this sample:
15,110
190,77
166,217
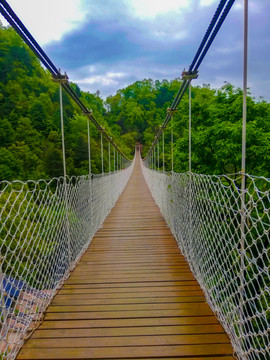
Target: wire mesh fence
226,242
46,226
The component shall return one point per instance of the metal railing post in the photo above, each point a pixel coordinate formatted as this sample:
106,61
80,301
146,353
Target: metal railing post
89,146
158,154
189,129
154,150
109,153
163,150
64,170
101,151
113,159
171,112
190,177
243,171
189,75
172,142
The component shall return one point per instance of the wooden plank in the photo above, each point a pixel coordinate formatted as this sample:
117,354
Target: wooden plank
128,331
95,280
140,322
127,307
63,301
126,314
125,352
137,340
80,293
135,287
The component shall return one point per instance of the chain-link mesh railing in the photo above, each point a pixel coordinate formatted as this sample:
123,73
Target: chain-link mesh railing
46,226
226,242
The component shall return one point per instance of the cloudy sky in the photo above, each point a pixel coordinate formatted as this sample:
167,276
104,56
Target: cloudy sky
108,44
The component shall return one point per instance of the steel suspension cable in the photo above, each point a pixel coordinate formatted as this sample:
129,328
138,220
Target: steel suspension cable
208,39
208,32
215,31
17,24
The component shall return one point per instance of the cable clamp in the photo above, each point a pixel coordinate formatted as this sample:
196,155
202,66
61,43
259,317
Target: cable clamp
171,111
189,75
60,78
88,112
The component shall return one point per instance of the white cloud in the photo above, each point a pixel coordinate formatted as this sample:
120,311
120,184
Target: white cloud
207,2
180,35
106,79
236,48
48,20
152,8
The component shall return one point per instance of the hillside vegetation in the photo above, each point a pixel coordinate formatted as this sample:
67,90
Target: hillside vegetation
30,136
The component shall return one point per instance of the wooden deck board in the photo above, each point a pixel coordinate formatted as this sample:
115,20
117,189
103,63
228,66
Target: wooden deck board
132,296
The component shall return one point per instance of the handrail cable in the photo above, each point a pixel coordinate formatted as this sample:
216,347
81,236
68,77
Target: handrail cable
20,28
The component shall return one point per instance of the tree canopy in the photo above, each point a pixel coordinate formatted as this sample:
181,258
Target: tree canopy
30,134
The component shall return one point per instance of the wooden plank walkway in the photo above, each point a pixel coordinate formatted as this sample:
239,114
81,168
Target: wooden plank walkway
132,296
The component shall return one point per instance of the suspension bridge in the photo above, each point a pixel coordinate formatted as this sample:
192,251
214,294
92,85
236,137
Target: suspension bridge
135,263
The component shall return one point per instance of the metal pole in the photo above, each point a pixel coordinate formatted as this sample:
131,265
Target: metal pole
172,141
117,161
154,157
189,129
101,150
90,178
245,87
89,148
243,184
158,154
62,130
109,152
65,173
189,169
113,159
163,150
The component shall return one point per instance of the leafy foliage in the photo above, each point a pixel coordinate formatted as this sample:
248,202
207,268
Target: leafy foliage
30,135
216,125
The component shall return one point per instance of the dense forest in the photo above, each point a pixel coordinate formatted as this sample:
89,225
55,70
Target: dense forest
30,136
